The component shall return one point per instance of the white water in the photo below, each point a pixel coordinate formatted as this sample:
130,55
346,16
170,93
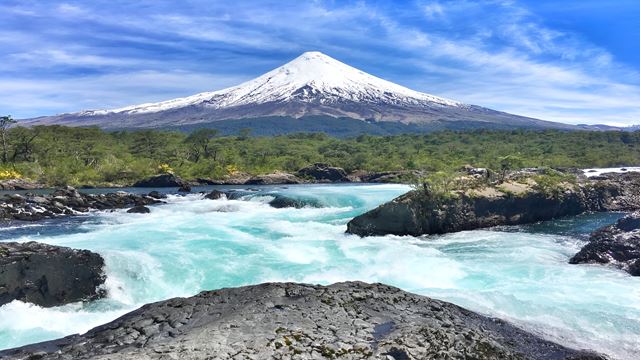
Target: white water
599,171
194,244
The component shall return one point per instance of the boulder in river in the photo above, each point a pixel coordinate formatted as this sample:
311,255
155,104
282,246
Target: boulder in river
48,275
185,188
140,209
157,195
215,195
323,173
162,180
281,202
350,320
617,245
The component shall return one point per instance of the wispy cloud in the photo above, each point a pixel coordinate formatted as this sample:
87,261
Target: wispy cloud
493,53
110,90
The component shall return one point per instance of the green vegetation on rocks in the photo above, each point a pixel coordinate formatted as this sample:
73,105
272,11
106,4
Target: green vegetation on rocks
56,155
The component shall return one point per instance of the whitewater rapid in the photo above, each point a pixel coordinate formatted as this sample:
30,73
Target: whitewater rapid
193,244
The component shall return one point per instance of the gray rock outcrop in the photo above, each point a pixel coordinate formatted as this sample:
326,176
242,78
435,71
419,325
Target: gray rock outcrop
48,275
617,245
66,201
323,173
386,177
295,321
273,179
162,180
19,184
510,203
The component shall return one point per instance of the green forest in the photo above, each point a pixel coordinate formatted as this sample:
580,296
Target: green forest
56,155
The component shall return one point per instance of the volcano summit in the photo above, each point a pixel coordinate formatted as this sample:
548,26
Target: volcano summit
313,92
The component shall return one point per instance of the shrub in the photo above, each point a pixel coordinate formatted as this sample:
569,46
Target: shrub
165,169
6,174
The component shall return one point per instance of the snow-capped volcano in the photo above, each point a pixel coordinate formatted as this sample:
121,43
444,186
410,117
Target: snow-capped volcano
313,77
312,84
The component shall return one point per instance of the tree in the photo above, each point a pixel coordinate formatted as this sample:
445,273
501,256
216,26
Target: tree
148,143
200,143
23,140
508,163
5,123
244,133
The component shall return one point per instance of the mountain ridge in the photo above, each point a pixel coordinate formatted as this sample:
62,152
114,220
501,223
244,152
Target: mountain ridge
313,84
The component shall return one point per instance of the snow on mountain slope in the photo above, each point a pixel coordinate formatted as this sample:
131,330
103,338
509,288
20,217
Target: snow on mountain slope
313,85
311,77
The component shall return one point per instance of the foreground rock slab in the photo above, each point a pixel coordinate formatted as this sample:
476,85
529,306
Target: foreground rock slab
295,321
617,245
48,275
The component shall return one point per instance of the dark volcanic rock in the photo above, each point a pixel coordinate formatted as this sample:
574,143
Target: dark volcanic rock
273,179
186,188
416,214
140,209
280,202
294,321
215,195
157,195
66,201
410,214
323,173
387,177
238,194
163,180
48,275
617,245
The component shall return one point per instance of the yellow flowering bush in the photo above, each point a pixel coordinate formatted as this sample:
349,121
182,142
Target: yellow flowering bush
9,174
231,169
165,169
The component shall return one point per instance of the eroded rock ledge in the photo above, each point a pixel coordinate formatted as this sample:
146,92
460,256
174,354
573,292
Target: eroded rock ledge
294,321
48,275
67,201
617,245
510,203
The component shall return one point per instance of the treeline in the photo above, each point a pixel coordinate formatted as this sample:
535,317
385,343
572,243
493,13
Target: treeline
56,155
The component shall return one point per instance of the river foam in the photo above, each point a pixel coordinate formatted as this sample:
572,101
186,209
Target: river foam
194,244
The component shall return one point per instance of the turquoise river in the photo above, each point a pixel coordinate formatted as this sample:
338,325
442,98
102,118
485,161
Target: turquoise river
192,244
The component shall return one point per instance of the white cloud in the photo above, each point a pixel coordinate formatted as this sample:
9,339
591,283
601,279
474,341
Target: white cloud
54,57
70,9
433,10
492,53
29,97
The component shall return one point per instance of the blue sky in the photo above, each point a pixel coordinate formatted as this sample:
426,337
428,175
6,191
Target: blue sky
570,61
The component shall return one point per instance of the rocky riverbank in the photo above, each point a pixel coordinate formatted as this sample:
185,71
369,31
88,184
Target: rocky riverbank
68,201
521,199
312,174
48,275
296,321
617,245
